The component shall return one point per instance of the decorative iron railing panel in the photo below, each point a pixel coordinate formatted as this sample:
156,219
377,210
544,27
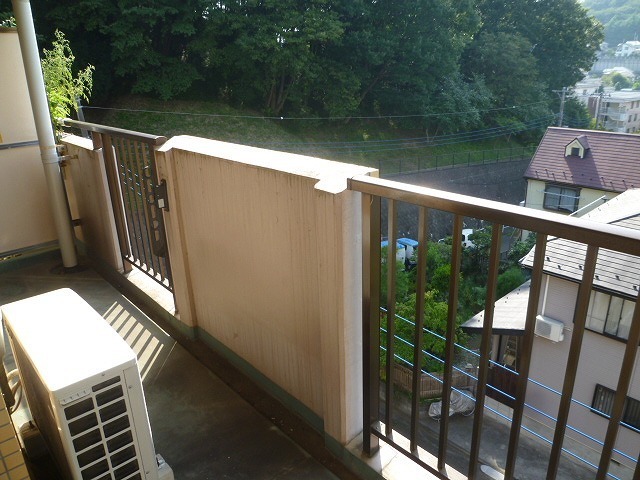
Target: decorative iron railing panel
131,173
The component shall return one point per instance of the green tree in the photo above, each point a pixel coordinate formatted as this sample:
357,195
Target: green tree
270,52
62,86
471,98
401,51
621,18
136,47
617,80
520,248
403,282
435,323
562,35
510,71
576,114
509,280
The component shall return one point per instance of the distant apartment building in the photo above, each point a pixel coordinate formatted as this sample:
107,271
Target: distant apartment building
619,111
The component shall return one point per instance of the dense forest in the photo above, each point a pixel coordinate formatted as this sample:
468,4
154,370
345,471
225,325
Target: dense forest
441,65
621,19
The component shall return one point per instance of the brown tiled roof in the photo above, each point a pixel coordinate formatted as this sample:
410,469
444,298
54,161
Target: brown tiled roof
615,272
611,162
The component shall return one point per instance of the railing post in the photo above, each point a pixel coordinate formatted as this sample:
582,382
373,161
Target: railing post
419,329
579,320
370,318
527,347
391,311
485,348
454,284
619,400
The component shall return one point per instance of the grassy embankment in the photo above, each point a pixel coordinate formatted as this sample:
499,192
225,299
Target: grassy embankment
376,142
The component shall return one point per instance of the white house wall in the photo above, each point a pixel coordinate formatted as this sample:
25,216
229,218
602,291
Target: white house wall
535,195
26,221
600,362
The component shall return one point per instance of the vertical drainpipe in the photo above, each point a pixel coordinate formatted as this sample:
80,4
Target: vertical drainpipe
48,152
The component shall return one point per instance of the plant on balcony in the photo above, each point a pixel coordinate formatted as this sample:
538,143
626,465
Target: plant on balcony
63,87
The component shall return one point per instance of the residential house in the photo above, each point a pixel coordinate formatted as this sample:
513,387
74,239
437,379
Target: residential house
574,169
608,321
628,48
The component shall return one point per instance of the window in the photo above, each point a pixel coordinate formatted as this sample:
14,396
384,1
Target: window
561,198
603,405
609,315
575,151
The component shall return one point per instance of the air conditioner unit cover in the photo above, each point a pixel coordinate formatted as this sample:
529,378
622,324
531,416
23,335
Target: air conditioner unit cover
83,387
549,328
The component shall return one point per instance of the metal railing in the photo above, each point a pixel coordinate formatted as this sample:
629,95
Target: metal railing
421,163
130,165
382,425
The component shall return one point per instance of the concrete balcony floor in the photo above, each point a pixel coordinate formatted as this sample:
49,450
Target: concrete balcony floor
208,420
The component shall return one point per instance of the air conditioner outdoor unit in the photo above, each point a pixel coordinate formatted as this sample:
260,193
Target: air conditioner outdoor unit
549,328
83,388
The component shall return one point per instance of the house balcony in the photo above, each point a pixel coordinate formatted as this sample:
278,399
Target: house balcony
616,114
269,264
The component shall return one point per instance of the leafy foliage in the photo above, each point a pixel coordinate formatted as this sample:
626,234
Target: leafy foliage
7,20
445,65
616,80
621,18
63,87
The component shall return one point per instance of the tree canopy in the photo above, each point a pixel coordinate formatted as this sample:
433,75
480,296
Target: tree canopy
621,18
451,64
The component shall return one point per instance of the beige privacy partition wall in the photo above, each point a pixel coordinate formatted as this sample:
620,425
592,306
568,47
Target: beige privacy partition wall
25,217
265,251
90,201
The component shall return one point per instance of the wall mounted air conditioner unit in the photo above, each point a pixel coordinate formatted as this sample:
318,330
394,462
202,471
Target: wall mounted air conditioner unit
549,328
83,388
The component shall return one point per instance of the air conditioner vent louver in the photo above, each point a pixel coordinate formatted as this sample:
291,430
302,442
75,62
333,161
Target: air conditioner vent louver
543,329
106,409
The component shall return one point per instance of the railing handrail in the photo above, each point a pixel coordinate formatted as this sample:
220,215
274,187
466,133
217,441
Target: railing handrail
155,140
603,235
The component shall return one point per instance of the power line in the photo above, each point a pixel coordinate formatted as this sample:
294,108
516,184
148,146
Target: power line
427,142
282,118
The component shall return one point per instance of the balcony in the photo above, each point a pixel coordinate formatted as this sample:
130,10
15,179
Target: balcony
271,264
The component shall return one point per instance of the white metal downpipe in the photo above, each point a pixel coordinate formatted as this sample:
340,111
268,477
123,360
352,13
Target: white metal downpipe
46,139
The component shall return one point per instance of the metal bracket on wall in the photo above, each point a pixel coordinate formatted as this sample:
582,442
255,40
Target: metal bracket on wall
160,192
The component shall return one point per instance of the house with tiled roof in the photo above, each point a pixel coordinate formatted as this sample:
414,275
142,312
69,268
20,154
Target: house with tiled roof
614,292
574,171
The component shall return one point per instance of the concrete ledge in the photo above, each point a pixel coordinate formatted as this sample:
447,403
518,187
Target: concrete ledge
387,463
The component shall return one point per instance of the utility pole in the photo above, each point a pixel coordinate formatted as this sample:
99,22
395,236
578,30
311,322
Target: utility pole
598,106
562,94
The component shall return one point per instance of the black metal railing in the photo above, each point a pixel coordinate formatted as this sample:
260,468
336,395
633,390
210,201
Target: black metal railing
381,418
130,165
442,161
